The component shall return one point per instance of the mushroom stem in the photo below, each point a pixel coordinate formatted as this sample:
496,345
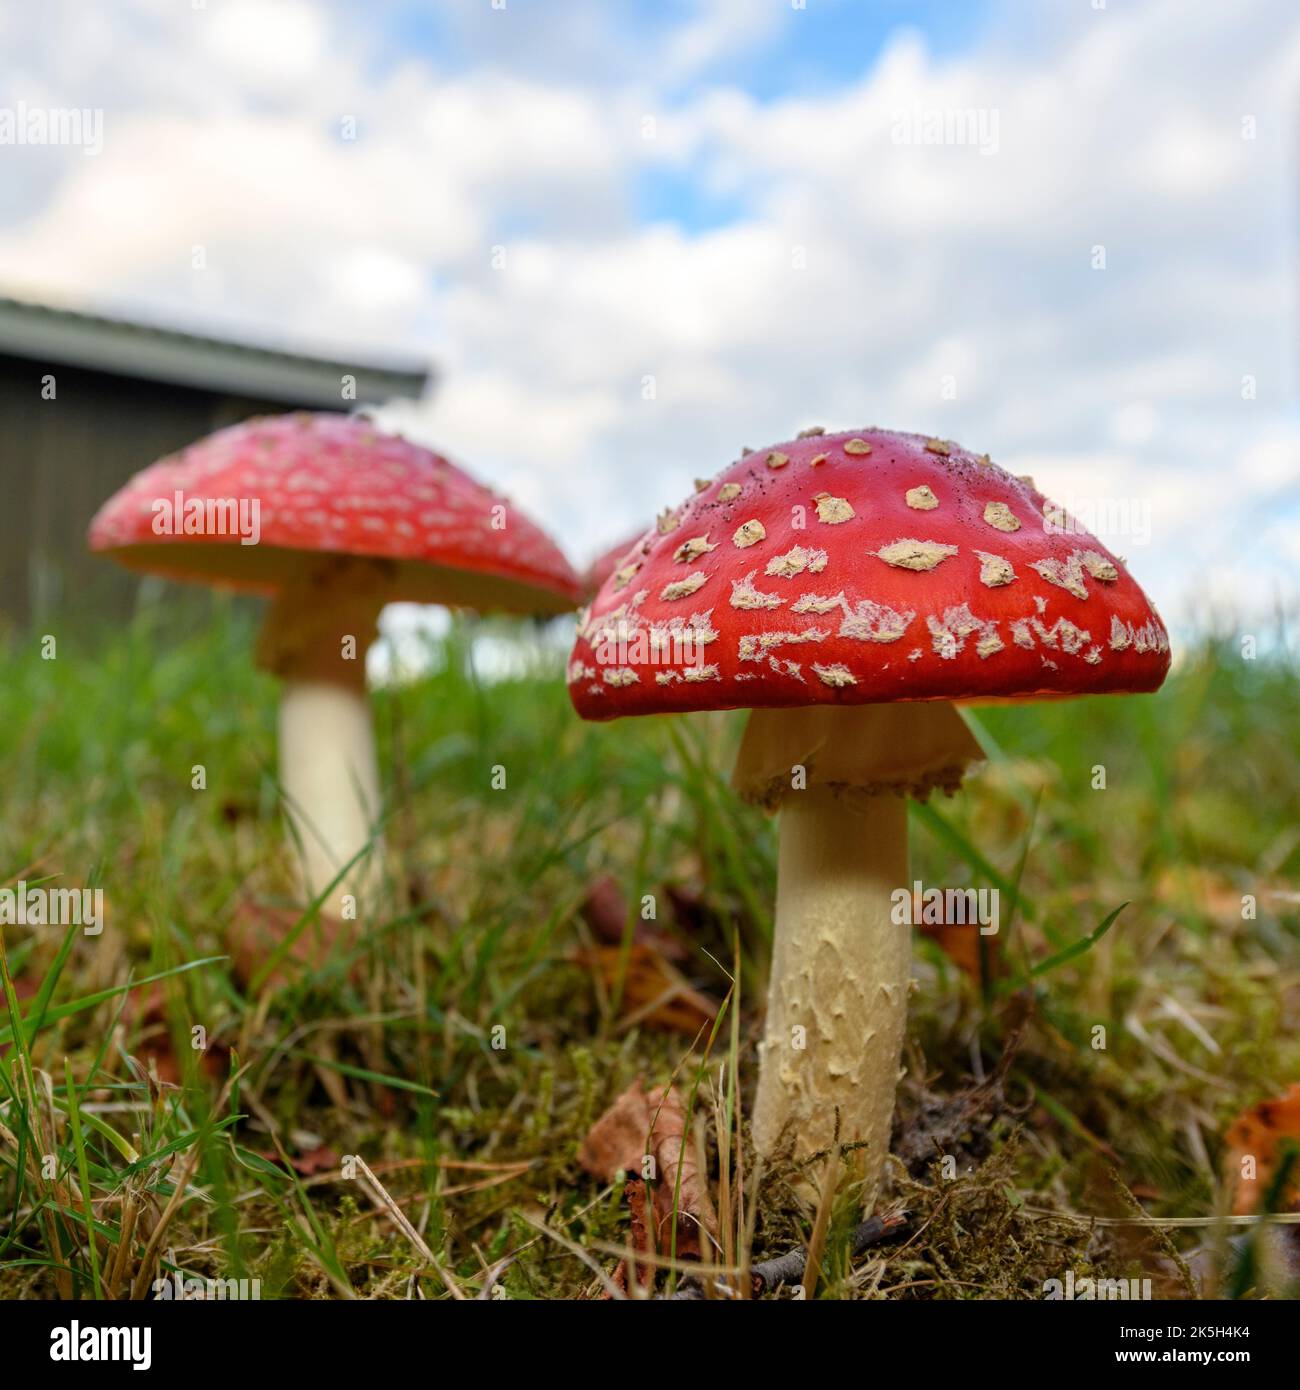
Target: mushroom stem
315,638
329,777
837,1000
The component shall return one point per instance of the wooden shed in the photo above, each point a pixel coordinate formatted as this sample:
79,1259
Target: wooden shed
86,401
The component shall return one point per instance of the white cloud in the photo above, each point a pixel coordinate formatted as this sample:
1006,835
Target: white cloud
267,43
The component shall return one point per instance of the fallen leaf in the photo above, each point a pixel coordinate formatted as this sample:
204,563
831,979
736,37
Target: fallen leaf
256,929
619,1137
655,993
961,943
147,1012
638,1125
634,1196
1254,1139
318,1160
689,1192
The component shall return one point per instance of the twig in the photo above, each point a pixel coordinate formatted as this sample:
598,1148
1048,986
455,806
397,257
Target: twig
126,1234
789,1268
149,1260
492,1274
380,1196
1279,1218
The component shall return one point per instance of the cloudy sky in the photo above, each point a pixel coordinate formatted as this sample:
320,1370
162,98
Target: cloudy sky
634,237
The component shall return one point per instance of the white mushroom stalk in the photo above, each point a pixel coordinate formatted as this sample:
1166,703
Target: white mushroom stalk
837,998
315,638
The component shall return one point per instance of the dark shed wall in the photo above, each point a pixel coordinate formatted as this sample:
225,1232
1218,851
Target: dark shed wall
60,458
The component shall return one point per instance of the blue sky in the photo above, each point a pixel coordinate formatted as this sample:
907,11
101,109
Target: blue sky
738,202
790,51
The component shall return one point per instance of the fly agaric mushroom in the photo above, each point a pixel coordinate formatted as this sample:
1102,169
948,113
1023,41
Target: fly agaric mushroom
626,552
332,519
846,588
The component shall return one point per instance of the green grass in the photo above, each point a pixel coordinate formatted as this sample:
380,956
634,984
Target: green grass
386,1050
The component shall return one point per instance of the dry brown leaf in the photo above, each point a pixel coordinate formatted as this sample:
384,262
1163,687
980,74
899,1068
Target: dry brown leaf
322,1159
147,1011
634,1195
639,1124
618,1139
655,994
689,1192
1257,1134
256,929
960,942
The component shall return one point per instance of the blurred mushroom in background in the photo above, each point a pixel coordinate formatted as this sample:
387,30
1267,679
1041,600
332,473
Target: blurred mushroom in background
331,518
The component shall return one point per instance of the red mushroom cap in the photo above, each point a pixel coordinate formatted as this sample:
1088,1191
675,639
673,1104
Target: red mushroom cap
606,563
863,568
332,484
